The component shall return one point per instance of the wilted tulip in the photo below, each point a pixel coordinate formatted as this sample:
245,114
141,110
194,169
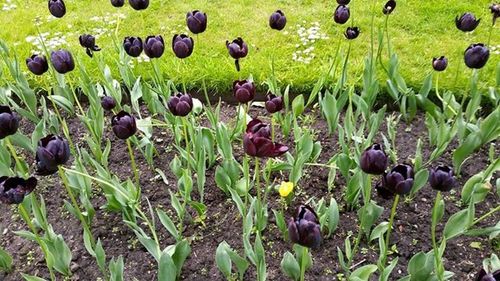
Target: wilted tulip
342,14
37,64
88,41
274,103
492,276
398,181
441,178
180,104
495,11
182,45
352,33
123,125
52,151
243,90
133,46
304,229
108,103
117,3
237,49
277,20
440,64
14,189
467,22
476,56
139,4
374,160
196,21
257,141
389,7
154,46
62,61
57,8
9,122
343,2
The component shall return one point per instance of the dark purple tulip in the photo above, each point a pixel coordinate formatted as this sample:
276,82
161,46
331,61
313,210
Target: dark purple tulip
88,41
123,125
374,160
440,64
154,46
342,14
9,122
389,7
304,229
274,103
117,3
257,141
492,276
196,21
441,178
182,45
476,56
139,4
343,2
352,33
133,46
62,61
243,90
57,8
108,103
467,22
495,11
37,64
14,189
398,181
180,104
277,20
237,48
52,151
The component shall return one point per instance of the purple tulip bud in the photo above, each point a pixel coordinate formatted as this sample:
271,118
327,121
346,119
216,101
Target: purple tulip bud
9,122
398,181
304,229
123,125
274,103
37,64
374,160
243,90
351,33
117,3
196,21
237,48
495,11
182,45
343,2
440,64
277,20
133,46
52,151
139,4
484,276
342,14
14,189
62,61
57,8
154,46
476,56
88,41
180,104
257,141
441,178
389,7
467,22
108,103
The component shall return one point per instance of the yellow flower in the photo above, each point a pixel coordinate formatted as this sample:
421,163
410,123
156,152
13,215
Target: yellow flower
285,188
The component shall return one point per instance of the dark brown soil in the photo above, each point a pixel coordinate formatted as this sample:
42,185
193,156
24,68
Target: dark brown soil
411,232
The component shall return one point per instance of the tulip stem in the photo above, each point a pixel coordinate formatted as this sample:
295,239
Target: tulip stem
132,160
447,104
303,264
272,127
491,212
24,214
437,257
14,155
73,91
259,195
389,229
388,38
236,126
186,140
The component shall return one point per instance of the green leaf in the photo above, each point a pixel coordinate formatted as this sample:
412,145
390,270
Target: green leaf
168,223
5,261
298,105
31,278
363,273
421,178
290,266
182,251
223,260
167,270
333,216
459,222
379,230
421,266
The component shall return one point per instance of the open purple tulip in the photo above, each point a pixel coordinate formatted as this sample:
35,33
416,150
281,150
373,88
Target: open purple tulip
123,125
257,141
182,45
389,7
37,64
274,103
398,181
52,151
196,21
9,122
154,46
467,22
238,49
342,14
133,46
304,229
180,104
441,178
243,90
374,160
14,189
440,64
57,8
62,61
277,20
139,4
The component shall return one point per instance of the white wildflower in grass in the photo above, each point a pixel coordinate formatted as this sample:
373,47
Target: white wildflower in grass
8,6
308,35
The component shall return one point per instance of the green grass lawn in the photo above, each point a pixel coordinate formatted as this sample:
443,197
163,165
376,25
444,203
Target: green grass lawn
419,30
